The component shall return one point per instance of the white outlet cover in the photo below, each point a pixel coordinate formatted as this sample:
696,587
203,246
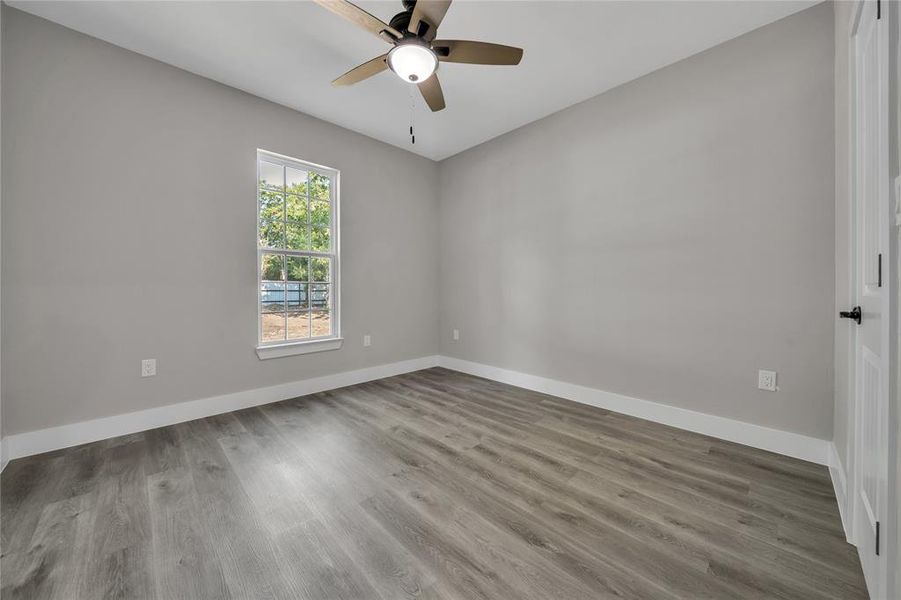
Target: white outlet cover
148,367
456,334
367,340
766,380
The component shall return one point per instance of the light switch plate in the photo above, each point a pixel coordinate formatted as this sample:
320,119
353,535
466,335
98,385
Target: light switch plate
367,340
456,335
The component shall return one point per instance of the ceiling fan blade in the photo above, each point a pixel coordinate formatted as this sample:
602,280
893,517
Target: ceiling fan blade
476,53
357,15
431,91
364,71
430,11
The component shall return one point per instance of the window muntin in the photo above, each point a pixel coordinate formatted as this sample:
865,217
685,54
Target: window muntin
297,250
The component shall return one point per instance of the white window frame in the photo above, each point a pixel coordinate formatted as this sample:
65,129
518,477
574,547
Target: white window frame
280,348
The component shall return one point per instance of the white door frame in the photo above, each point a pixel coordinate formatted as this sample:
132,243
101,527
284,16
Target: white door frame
891,585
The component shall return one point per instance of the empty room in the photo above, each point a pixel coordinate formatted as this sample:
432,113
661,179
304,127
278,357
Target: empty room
450,300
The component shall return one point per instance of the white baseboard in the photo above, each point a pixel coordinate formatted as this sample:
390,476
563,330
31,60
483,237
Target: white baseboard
64,436
840,484
783,442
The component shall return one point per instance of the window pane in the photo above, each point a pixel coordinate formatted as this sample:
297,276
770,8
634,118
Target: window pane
320,240
319,186
272,205
320,215
272,234
272,297
298,324
272,175
298,268
272,267
297,208
296,181
272,327
298,289
319,296
321,323
272,308
297,237
321,269
297,296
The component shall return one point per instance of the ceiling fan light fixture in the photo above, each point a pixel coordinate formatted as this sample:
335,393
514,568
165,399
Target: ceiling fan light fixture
413,62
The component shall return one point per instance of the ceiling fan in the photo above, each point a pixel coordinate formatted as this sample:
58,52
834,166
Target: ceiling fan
416,53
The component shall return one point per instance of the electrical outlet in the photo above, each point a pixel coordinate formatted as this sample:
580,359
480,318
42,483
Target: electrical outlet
148,367
367,340
766,380
456,335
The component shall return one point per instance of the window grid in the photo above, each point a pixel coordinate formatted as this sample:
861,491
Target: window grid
297,258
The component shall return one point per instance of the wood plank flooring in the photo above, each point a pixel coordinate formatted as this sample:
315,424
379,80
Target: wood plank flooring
431,485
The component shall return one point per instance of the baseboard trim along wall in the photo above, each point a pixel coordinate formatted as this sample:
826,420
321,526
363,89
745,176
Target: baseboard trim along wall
840,484
782,442
64,436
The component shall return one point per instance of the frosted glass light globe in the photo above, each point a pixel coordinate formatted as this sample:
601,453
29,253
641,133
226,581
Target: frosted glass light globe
414,63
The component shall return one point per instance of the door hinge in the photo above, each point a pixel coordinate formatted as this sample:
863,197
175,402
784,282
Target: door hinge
879,281
877,538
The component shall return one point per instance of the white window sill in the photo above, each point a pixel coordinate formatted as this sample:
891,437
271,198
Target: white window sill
294,348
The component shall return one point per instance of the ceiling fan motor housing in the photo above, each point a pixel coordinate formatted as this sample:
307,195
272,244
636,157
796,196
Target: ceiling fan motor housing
401,21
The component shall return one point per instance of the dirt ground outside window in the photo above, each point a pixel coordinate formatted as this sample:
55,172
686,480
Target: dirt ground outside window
297,324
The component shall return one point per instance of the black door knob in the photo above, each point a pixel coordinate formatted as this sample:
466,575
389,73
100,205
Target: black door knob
854,314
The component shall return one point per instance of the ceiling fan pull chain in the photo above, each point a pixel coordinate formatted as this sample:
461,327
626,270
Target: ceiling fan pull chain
412,109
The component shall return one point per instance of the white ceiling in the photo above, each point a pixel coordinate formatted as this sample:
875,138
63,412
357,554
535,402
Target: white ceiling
289,52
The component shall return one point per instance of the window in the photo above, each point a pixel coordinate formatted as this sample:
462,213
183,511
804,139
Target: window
297,254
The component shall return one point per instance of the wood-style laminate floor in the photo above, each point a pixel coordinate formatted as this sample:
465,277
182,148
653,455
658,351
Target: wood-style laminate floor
428,485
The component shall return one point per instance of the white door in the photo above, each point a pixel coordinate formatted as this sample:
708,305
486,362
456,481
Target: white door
870,478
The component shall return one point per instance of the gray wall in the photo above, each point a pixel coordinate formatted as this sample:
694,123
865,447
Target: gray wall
664,240
126,178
